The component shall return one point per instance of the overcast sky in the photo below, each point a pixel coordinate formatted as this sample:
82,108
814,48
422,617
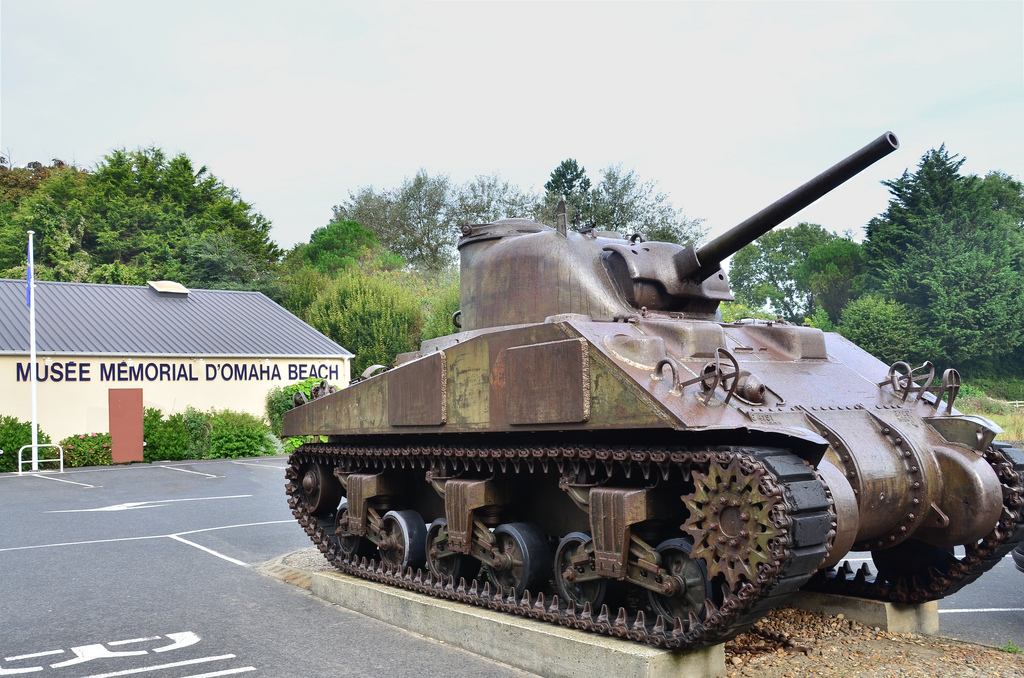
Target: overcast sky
726,105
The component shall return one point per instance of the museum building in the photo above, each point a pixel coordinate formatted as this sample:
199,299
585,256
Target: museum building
200,348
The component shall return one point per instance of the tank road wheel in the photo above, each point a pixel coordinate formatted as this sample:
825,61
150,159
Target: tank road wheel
688,582
444,562
348,544
911,564
572,560
319,490
402,541
525,558
730,520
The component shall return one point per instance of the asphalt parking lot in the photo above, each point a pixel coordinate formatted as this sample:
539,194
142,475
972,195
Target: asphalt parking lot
118,571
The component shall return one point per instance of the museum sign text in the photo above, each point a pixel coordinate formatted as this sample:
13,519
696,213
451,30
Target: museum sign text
70,371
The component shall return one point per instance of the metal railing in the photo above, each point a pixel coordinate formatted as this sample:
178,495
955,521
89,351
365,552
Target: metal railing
40,461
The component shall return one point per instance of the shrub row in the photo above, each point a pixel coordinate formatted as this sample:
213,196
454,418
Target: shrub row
193,434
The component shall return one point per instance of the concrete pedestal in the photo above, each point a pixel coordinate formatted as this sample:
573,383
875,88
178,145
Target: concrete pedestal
892,617
538,647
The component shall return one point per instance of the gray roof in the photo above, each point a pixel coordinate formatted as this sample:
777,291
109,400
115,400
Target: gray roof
123,320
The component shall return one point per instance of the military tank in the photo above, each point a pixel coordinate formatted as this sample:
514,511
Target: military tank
595,449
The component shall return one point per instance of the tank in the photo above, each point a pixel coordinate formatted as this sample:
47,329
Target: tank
596,449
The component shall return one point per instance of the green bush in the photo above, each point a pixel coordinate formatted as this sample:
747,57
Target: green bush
886,329
198,426
87,449
13,435
237,434
279,401
376,317
166,439
441,306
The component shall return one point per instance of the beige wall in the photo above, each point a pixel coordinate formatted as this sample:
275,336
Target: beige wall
73,396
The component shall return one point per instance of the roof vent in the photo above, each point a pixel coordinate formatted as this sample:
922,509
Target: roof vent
168,288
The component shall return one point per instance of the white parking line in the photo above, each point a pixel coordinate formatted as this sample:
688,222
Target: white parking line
157,503
984,609
185,470
243,463
210,551
174,536
69,482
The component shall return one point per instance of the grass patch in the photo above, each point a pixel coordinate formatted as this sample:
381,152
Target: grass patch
1010,647
1009,418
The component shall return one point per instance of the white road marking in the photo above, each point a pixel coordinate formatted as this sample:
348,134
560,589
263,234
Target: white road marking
243,463
210,551
158,503
86,653
227,672
185,470
69,482
984,609
11,672
147,669
33,656
155,536
180,640
133,640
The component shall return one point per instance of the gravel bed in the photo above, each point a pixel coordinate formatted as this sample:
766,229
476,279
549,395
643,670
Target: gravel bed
792,643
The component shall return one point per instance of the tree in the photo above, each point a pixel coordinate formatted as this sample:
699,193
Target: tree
338,245
490,198
831,272
569,182
622,202
951,247
138,216
413,221
765,271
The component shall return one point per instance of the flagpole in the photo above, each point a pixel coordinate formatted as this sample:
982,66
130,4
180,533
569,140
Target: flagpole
32,355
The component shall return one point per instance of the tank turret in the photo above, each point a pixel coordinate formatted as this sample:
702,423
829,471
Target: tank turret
519,271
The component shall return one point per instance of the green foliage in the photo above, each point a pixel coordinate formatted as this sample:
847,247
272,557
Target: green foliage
237,434
13,435
569,182
442,304
279,401
338,245
765,271
622,202
415,220
886,329
951,247
376,317
138,216
87,449
821,320
166,439
832,272
736,310
199,427
1010,647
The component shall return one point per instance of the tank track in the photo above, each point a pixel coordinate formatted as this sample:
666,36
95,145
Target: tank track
802,518
930,583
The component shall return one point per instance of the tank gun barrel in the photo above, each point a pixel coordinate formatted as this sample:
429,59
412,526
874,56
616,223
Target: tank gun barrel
709,257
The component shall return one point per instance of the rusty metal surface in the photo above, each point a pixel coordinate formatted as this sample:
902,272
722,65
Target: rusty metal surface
548,383
417,396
